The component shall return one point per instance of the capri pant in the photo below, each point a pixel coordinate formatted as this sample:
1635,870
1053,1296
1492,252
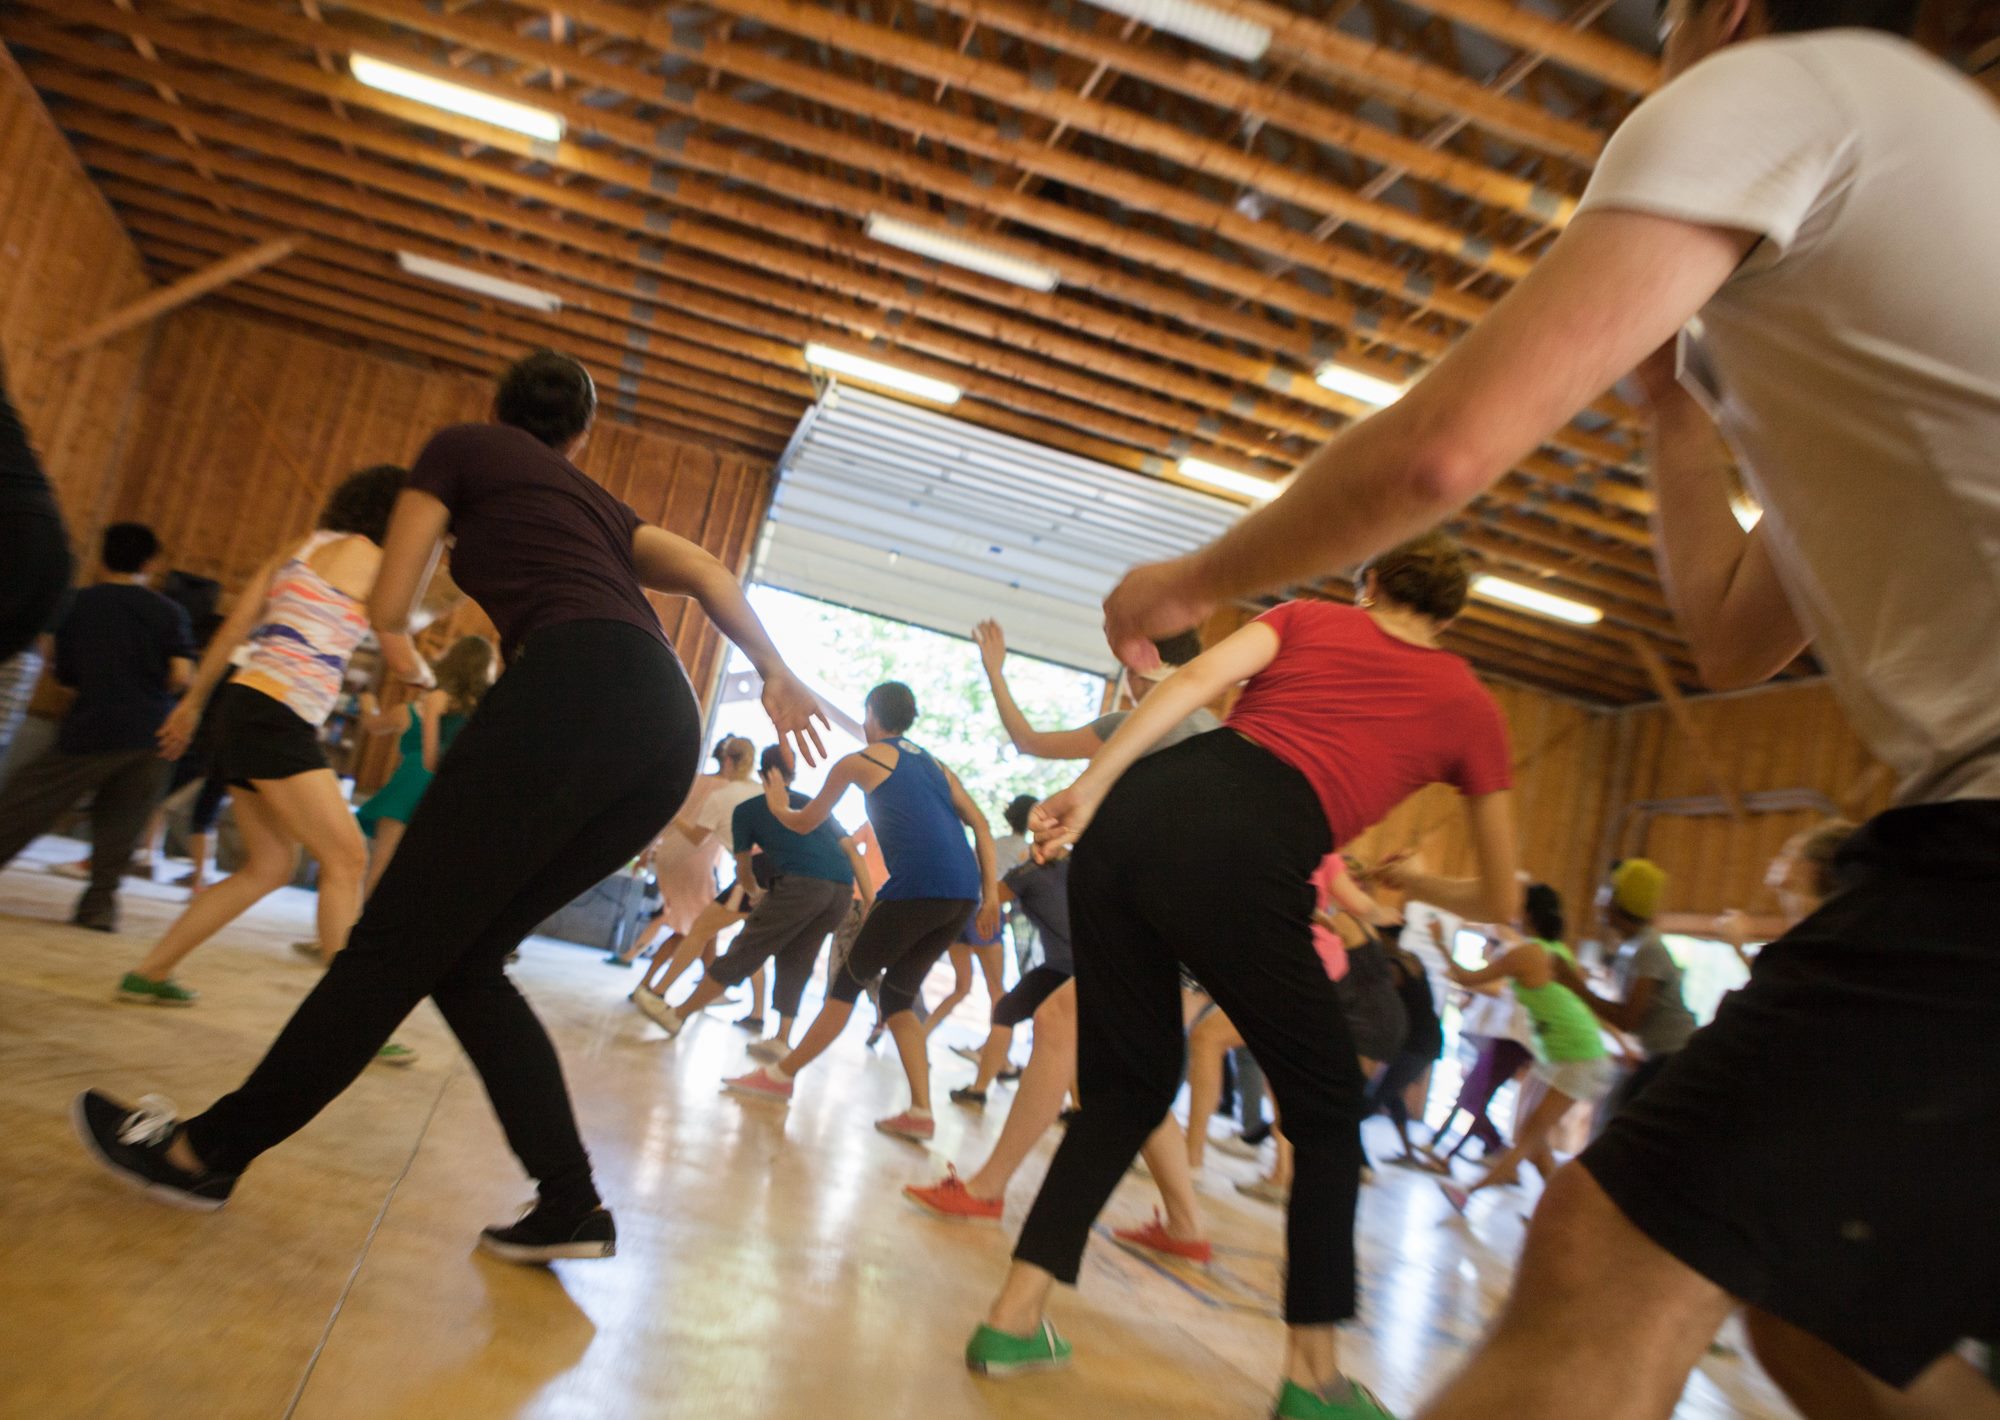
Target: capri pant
902,940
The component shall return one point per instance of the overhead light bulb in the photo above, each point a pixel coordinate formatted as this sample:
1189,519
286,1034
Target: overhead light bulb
874,372
956,251
482,283
457,98
1534,599
1231,480
1358,384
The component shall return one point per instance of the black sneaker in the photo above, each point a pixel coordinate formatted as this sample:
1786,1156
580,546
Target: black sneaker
966,1095
542,1236
133,1143
95,922
1009,1074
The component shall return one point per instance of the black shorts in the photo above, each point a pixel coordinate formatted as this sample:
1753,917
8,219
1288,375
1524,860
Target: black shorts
256,737
760,873
1826,1150
1035,987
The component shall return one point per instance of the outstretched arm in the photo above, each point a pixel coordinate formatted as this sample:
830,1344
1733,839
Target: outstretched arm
672,564
778,794
1079,743
1613,287
1623,1015
434,705
410,555
1508,966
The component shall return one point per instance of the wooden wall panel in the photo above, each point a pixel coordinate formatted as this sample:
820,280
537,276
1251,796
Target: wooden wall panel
64,261
1789,737
243,426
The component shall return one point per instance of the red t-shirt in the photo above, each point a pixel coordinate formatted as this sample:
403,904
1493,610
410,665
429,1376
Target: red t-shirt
1369,719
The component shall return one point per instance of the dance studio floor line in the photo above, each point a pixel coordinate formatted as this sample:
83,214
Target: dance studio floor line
767,1264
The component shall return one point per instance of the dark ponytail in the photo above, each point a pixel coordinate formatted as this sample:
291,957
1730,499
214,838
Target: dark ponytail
1543,911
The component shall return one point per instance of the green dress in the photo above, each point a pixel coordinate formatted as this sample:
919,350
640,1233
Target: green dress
1565,1029
398,798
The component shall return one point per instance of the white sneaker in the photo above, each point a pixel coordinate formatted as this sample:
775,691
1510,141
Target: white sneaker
656,1010
1237,1148
769,1051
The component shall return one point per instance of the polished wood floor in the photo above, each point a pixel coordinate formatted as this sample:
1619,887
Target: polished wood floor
767,1265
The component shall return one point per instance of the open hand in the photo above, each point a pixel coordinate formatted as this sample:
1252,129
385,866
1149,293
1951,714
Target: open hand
992,643
793,709
1153,601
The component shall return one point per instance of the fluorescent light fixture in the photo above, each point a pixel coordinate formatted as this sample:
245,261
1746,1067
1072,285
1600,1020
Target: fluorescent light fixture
874,372
479,282
942,246
1534,599
1358,384
1747,510
1231,480
1238,38
457,98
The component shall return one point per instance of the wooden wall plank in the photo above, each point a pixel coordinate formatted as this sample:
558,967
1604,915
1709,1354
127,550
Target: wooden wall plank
244,426
64,261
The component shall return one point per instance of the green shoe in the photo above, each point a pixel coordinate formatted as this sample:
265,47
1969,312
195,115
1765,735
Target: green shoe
1295,1402
997,1354
394,1054
153,993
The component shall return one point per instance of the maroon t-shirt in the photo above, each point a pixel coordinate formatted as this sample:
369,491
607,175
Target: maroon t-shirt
537,542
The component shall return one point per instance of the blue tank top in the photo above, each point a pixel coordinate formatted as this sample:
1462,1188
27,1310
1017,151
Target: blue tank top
922,837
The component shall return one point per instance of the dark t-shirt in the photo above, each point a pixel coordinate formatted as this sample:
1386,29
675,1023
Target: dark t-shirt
23,486
112,648
806,855
1043,892
538,542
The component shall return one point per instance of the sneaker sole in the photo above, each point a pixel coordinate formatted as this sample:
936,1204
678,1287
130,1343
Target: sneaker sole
140,998
1007,1370
158,1192
395,1062
555,1252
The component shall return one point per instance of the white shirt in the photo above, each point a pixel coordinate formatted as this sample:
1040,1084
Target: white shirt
719,808
1853,360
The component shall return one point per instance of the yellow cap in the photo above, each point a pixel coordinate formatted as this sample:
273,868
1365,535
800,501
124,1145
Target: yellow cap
1637,885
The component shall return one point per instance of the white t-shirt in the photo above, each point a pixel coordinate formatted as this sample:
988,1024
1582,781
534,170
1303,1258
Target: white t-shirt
1853,360
719,808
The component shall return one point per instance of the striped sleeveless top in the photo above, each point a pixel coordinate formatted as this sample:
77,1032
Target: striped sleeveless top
309,632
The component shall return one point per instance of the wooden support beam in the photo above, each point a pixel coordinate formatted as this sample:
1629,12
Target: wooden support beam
1588,51
1670,696
191,287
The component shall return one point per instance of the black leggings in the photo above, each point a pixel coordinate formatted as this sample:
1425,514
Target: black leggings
901,940
1404,1069
579,753
1212,809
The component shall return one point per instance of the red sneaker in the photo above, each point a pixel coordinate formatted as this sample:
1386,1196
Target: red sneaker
1154,1237
759,1085
919,1128
950,1198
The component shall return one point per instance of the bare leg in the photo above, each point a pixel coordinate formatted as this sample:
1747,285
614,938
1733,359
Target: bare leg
312,810
1531,1141
784,1035
661,958
1038,1099
268,858
759,981
824,1031
700,938
993,966
1166,1155
1210,1040
200,852
993,1056
961,987
1603,1324
388,838
1825,1385
913,1044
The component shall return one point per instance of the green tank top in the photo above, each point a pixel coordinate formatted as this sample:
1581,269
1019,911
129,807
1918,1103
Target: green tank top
1565,1030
